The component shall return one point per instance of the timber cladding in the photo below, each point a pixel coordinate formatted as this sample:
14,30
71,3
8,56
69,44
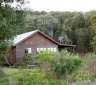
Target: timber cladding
39,39
12,55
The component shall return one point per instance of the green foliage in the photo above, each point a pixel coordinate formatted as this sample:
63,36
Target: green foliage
8,21
66,63
29,77
61,63
90,63
94,44
78,76
93,21
3,78
7,18
9,27
84,39
88,72
92,77
45,56
28,59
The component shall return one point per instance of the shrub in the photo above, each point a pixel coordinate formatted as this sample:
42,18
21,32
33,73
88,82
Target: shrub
23,62
45,58
90,66
66,63
28,59
88,72
90,62
61,63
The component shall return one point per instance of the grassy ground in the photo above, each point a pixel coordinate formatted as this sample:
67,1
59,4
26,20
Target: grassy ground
13,75
19,76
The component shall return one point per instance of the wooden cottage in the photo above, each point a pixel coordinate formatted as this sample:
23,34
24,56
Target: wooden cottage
32,42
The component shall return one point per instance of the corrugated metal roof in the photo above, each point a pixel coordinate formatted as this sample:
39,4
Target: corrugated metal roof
20,37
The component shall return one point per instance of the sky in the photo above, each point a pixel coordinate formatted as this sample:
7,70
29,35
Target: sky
62,5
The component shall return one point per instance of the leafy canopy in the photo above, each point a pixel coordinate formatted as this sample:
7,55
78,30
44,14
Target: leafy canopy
10,22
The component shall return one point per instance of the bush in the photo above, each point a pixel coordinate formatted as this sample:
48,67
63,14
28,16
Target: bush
61,63
45,59
28,59
23,62
66,63
90,66
45,56
88,72
90,62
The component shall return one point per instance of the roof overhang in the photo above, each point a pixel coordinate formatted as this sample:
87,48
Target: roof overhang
65,45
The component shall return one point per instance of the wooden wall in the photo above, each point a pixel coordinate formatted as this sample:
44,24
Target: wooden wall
12,56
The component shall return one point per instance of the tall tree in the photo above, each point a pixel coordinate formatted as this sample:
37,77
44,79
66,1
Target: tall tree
43,22
8,18
93,20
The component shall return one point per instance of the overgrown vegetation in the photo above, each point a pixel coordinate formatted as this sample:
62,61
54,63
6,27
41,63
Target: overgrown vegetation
61,64
65,64
64,69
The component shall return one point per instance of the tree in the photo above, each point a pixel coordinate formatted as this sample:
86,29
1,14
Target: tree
8,28
43,22
10,23
93,20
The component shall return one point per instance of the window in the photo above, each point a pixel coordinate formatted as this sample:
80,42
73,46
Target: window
41,49
55,49
52,49
38,49
28,50
49,49
46,49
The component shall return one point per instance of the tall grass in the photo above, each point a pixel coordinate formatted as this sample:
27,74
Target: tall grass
83,76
